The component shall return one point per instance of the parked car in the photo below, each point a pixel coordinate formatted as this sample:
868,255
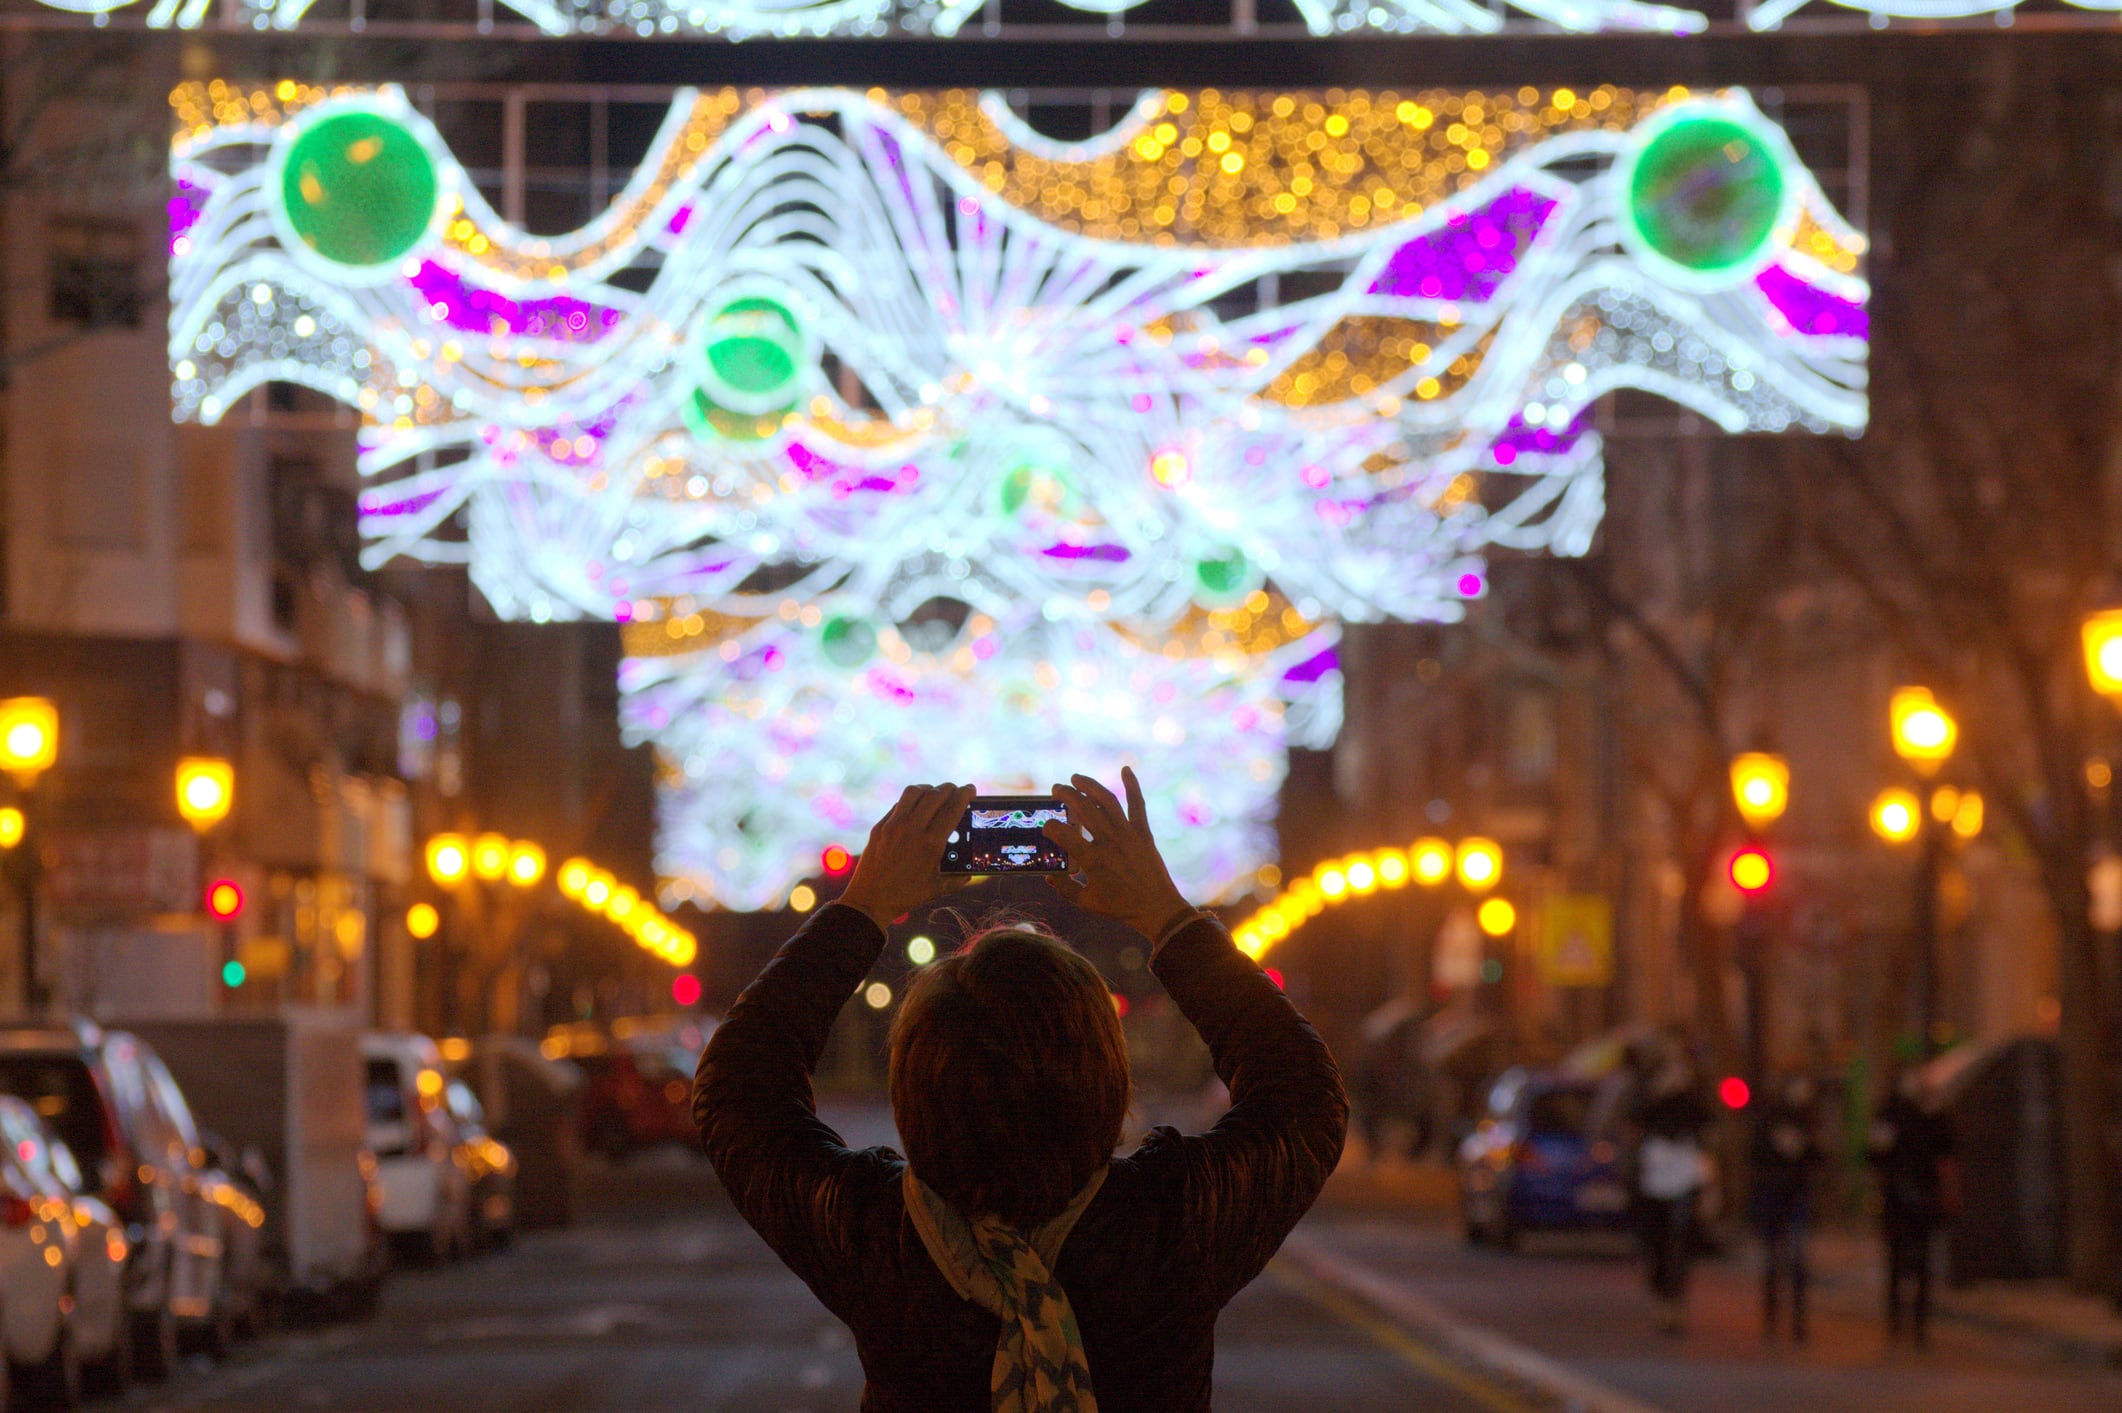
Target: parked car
1548,1156
636,1088
110,1099
62,1271
426,1187
237,1184
487,1163
529,1102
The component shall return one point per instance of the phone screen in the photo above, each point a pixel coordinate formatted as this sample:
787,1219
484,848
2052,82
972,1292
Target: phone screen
1002,834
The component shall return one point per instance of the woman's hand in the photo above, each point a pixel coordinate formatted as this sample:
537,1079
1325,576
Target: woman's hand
1122,874
898,870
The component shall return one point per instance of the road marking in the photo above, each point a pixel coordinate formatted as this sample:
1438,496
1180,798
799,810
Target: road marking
1397,1341
1478,1345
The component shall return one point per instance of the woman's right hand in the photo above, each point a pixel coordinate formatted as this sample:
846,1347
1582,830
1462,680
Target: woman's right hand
1118,871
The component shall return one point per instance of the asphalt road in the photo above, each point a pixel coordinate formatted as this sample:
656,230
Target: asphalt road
663,1300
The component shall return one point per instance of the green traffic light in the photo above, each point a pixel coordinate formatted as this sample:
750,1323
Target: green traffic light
232,974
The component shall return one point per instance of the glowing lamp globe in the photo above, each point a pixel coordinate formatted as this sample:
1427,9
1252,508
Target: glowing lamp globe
1896,816
1362,877
1392,868
1924,735
490,857
573,877
526,863
1704,194
847,642
12,827
206,787
1430,861
1479,864
836,860
685,989
29,736
357,189
449,859
422,921
750,371
1331,880
1760,786
2103,651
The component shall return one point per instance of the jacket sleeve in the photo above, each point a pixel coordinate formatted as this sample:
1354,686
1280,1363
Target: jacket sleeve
1247,1180
785,1169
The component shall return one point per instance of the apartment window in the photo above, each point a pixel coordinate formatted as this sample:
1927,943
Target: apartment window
95,271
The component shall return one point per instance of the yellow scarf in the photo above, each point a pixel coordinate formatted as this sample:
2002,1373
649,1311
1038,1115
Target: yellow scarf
1039,1363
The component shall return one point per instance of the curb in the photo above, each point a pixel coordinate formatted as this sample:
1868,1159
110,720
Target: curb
1483,1348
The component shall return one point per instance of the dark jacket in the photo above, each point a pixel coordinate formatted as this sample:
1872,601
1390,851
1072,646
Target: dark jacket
1785,1155
1909,1146
1179,1227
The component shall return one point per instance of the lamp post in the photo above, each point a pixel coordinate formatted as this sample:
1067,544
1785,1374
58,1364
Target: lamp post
206,789
29,746
1760,788
1924,735
2090,1041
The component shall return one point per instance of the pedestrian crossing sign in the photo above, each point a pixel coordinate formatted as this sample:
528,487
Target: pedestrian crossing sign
1574,945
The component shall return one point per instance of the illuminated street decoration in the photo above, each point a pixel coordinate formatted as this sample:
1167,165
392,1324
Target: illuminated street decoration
750,19
902,436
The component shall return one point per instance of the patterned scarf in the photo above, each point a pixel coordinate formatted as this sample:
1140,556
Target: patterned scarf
1039,1364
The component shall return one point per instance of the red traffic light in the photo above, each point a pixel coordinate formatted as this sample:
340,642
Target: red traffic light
1734,1092
1752,871
685,989
223,899
837,861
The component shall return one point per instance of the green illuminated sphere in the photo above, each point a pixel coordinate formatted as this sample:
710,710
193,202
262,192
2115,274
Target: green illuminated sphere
754,363
359,189
847,642
1705,194
1225,577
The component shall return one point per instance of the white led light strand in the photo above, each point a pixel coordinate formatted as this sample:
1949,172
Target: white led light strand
894,477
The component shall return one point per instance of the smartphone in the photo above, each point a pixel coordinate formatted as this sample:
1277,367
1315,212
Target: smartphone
1002,834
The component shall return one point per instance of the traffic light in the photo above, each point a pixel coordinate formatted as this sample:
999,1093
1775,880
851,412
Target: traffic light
224,900
837,860
1752,871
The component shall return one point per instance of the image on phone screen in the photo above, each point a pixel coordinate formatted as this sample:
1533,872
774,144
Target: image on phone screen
1002,834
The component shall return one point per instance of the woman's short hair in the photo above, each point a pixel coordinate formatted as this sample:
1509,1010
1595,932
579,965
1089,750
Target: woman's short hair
1009,1076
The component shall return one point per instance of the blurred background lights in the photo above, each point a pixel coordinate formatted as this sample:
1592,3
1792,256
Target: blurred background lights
802,898
12,826
1896,816
1496,916
685,989
1479,863
489,857
29,735
877,995
224,899
921,951
526,863
422,921
205,789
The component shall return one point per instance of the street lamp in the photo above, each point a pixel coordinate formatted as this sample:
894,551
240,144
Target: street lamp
1924,735
449,859
12,827
1760,786
490,857
29,737
526,863
1430,860
206,787
1479,864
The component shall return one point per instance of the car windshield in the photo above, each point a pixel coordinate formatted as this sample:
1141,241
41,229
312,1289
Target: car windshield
1560,1111
61,1090
386,1095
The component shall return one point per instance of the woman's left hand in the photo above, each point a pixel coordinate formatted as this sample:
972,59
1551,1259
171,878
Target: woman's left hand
899,867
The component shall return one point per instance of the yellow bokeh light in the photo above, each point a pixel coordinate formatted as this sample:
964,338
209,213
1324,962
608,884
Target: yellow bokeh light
574,876
422,921
1431,861
1760,784
1496,916
1362,878
448,859
12,827
921,951
206,787
1923,733
489,855
29,735
877,995
802,898
1967,818
2103,651
1479,863
1392,868
597,892
1331,880
526,863
1896,816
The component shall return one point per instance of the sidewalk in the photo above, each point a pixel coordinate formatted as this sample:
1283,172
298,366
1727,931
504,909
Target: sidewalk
1846,1263
2068,1324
